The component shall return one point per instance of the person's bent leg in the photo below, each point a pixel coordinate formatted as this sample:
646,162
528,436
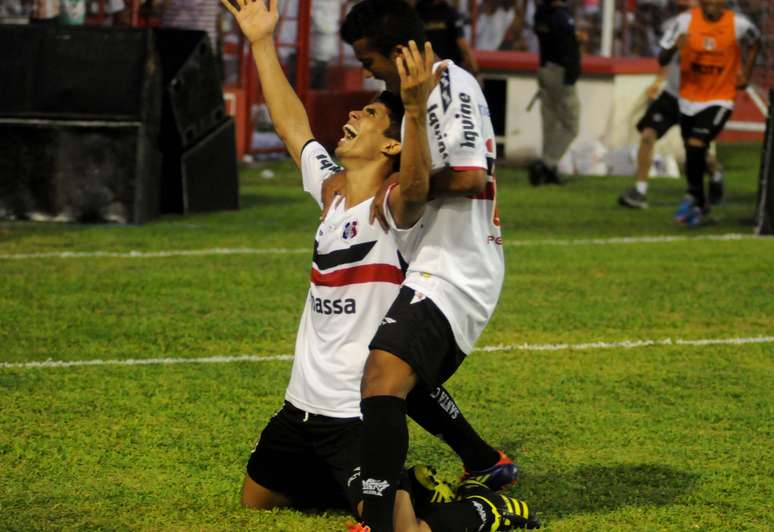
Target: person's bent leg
387,380
260,498
436,411
695,166
645,159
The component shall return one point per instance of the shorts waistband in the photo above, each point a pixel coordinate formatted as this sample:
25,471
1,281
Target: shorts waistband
303,415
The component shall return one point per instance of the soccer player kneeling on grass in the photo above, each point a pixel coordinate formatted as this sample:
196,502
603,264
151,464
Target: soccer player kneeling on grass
309,453
709,40
455,260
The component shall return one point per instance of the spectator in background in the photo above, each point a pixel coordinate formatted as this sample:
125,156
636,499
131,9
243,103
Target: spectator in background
445,30
45,12
14,12
324,43
495,20
73,12
559,104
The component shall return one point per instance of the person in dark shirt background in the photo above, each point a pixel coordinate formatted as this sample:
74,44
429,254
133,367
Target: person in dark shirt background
445,29
559,104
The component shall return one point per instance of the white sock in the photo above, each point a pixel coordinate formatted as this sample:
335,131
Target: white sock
641,186
717,177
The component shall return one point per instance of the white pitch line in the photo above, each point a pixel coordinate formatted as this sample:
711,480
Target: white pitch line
134,254
624,344
153,254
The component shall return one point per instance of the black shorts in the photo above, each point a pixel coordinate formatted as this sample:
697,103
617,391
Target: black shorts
419,334
315,463
661,115
705,125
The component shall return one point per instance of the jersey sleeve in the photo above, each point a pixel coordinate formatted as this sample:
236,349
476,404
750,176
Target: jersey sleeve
461,124
316,166
678,26
746,32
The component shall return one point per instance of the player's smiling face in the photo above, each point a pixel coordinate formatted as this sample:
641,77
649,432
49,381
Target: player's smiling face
377,65
364,136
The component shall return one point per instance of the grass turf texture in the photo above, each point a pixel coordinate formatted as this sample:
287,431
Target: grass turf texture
664,437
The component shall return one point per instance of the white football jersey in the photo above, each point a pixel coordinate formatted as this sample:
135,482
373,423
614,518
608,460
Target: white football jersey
356,275
455,251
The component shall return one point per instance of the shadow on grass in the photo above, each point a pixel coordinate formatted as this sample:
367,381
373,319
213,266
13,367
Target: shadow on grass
600,489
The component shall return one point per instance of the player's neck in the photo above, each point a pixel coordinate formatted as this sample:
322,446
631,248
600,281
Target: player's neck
364,180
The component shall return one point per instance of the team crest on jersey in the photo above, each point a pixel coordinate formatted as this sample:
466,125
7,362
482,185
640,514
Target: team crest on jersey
710,43
350,230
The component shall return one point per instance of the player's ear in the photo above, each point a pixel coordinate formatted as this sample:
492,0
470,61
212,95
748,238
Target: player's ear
391,148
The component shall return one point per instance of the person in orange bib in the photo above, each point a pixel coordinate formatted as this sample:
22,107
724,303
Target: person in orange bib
709,40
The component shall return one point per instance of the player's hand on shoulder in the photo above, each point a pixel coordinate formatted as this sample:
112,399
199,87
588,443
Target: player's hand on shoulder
332,192
377,207
254,19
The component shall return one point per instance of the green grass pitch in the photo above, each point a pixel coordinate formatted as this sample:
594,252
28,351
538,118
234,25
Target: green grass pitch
660,437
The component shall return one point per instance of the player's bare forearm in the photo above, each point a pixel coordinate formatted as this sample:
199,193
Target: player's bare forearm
452,183
749,64
287,112
257,22
407,202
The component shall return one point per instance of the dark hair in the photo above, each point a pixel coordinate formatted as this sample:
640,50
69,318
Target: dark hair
386,24
394,105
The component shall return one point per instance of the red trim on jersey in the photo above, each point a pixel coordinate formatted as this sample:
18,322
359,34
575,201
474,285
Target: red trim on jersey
487,194
367,273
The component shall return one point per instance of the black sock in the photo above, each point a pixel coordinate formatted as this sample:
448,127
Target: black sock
436,411
695,166
384,446
460,516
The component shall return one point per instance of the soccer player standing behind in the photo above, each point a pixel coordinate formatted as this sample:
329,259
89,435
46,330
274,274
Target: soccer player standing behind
709,40
454,251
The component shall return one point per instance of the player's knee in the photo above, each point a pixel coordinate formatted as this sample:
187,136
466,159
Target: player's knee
648,136
256,497
386,374
693,142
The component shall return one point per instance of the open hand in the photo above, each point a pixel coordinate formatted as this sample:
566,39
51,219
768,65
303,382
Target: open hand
416,77
255,21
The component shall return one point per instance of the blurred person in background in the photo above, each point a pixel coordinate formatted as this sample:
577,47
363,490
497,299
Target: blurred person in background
661,115
15,11
709,41
45,12
496,19
445,29
559,103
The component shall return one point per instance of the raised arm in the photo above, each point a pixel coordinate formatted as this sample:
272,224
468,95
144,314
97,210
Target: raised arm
287,112
407,201
749,63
